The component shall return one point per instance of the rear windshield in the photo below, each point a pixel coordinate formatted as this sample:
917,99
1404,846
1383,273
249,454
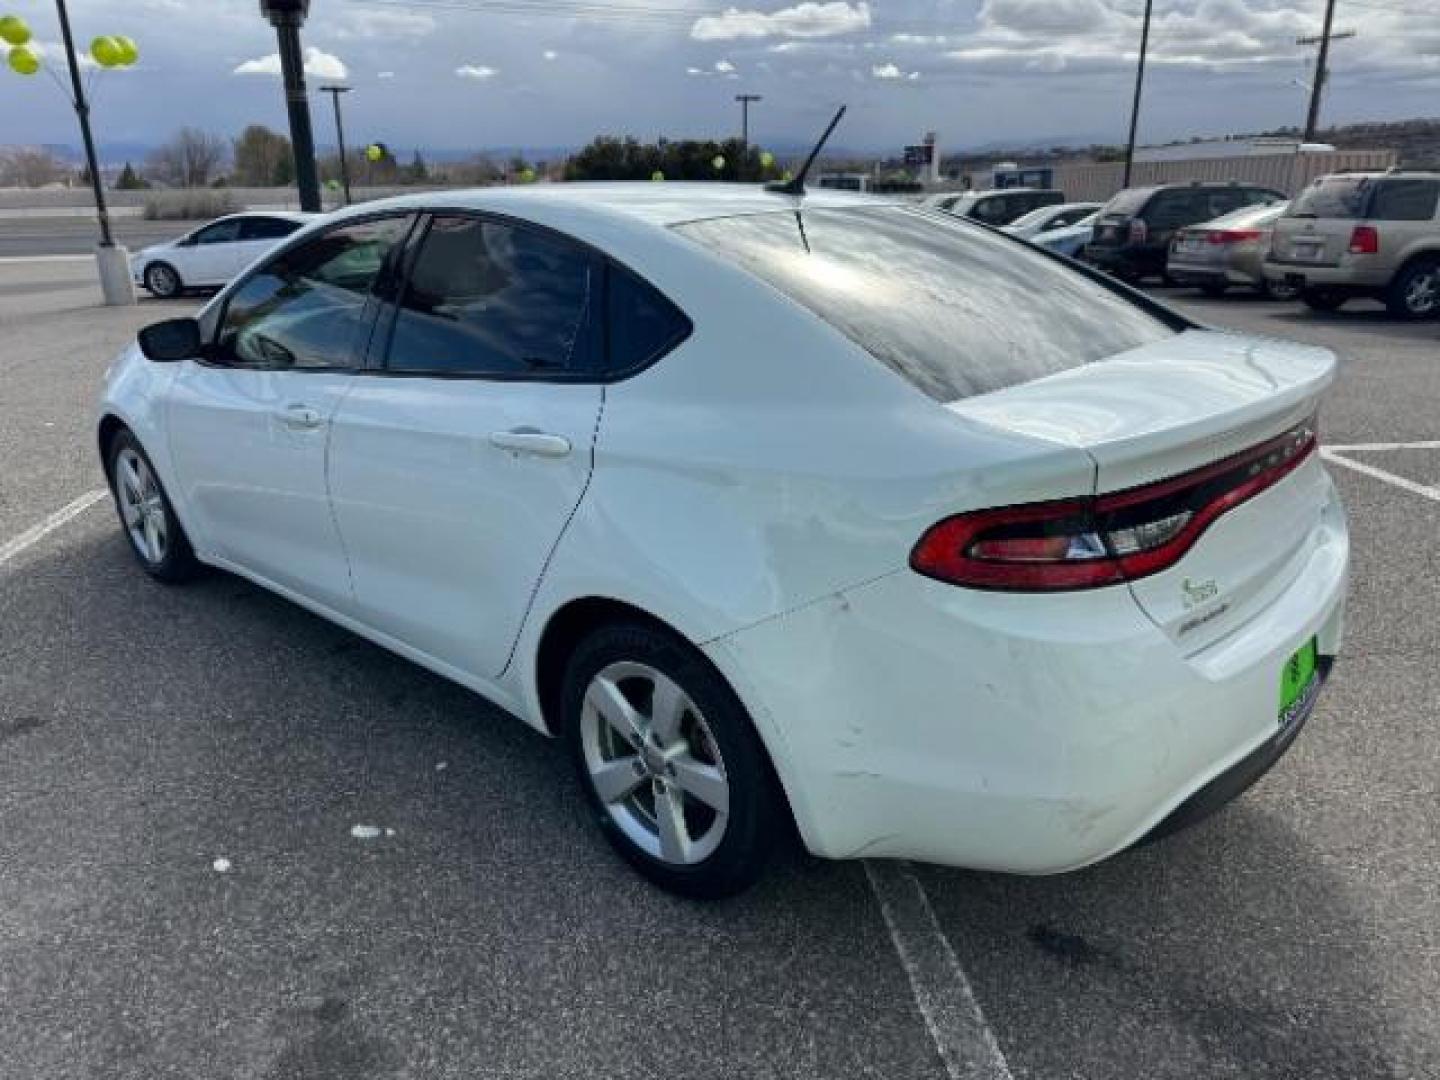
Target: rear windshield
1332,197
1129,201
954,308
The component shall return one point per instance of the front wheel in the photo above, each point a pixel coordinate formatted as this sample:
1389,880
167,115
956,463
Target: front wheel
1415,292
162,281
677,779
149,521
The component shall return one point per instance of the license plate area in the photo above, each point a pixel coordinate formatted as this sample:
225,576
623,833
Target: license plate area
1299,684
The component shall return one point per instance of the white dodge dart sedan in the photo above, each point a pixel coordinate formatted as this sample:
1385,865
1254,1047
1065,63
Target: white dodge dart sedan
775,509
213,254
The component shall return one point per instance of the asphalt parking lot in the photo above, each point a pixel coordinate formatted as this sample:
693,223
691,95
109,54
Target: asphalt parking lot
147,732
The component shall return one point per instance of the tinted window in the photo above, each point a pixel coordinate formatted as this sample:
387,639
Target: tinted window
1332,197
1181,207
641,323
955,309
303,308
993,211
221,232
266,228
485,298
1405,200
1129,201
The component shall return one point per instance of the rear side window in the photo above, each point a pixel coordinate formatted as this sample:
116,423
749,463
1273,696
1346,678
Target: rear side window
486,298
641,324
1181,207
1405,200
954,309
1333,197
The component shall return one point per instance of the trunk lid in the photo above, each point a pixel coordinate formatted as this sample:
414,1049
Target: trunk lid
1169,408
1308,241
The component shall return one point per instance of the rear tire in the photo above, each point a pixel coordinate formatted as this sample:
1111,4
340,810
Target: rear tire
1214,289
676,777
1321,299
1415,292
156,537
1276,290
162,281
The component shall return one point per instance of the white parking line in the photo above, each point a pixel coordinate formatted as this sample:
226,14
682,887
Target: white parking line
21,260
39,531
1423,490
953,1017
1364,446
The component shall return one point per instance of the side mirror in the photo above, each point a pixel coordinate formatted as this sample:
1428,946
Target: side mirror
171,340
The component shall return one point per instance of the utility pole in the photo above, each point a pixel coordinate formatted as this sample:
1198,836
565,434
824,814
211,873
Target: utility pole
745,100
1322,66
1139,85
335,92
287,16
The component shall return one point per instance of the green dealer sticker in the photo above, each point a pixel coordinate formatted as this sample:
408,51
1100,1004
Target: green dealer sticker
1299,681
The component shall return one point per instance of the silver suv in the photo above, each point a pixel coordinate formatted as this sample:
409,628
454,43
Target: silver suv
1363,234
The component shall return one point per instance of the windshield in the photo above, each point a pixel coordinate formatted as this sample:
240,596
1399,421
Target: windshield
1129,201
1034,217
954,308
1333,197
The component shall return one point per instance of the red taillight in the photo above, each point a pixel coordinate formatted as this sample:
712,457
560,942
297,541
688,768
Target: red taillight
1232,236
1122,536
1139,231
1365,240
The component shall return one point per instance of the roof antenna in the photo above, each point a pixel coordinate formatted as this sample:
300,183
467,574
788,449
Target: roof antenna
796,184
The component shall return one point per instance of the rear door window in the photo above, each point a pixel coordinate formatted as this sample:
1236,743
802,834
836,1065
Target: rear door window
1405,199
641,324
266,228
955,309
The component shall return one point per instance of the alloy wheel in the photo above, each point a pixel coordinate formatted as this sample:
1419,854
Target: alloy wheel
654,763
1423,294
161,280
142,507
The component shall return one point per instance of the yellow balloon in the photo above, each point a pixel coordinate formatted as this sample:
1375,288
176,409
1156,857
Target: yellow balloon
129,51
766,158
375,153
23,60
105,51
657,176
13,30
718,162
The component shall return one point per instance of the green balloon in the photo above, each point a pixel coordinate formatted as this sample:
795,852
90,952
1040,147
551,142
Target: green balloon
657,176
527,176
375,152
129,51
105,51
23,60
13,30
766,158
718,162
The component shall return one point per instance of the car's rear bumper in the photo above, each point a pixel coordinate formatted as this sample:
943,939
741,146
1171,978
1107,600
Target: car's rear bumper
1311,276
1232,271
1021,733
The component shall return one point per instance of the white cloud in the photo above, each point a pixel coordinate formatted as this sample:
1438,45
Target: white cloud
724,67
807,20
385,75
891,71
476,71
321,64
550,54
371,24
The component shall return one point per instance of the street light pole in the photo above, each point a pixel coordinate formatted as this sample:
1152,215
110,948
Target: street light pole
335,92
1139,85
1322,67
287,16
745,100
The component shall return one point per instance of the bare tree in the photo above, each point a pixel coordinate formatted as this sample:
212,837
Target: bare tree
30,166
190,159
263,158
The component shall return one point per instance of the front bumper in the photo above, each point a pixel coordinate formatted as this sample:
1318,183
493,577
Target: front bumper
1011,732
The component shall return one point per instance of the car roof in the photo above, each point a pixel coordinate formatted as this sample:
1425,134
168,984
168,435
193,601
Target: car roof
657,204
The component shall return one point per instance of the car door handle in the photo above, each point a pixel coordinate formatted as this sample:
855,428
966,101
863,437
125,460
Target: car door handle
528,440
301,417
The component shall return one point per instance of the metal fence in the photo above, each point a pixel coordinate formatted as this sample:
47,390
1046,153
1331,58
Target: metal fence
1287,172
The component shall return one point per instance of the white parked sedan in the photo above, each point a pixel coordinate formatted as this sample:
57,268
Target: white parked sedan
213,254
1045,220
774,508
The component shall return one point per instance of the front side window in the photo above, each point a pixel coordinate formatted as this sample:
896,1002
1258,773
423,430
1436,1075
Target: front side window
304,307
955,309
1405,200
486,298
221,232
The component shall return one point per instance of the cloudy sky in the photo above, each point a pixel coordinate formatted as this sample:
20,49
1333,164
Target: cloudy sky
457,74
